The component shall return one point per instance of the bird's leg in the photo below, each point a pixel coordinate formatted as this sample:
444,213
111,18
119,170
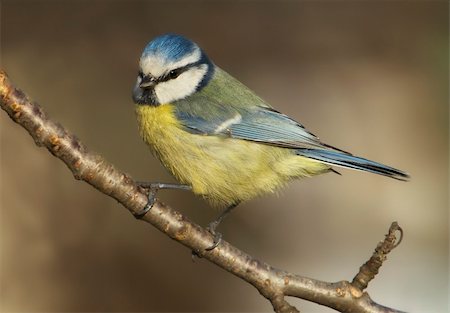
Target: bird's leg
214,224
152,189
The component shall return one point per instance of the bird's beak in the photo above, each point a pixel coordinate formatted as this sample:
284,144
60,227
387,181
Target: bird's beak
147,81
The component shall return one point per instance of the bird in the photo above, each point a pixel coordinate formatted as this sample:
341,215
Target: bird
217,137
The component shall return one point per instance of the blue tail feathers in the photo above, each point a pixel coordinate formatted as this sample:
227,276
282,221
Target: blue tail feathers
349,161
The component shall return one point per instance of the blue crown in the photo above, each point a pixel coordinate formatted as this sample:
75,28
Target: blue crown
173,47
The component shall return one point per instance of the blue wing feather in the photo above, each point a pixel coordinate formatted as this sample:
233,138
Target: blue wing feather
270,126
259,124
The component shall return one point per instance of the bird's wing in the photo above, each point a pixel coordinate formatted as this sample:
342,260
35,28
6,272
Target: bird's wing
267,126
228,108
258,123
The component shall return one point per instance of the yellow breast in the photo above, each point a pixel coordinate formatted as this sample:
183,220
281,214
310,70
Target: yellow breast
222,169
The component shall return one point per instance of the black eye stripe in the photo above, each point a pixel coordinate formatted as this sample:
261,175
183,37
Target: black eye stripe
177,72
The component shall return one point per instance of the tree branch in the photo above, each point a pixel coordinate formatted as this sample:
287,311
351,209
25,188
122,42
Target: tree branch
274,284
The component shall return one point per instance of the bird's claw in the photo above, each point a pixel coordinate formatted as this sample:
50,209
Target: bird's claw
217,236
151,201
140,214
216,242
211,228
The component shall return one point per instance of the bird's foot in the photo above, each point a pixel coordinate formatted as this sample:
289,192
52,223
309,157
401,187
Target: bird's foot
211,228
217,236
152,189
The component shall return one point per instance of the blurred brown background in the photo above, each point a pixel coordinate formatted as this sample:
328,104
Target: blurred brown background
369,77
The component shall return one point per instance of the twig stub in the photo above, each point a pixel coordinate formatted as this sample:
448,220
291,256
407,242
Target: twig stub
370,269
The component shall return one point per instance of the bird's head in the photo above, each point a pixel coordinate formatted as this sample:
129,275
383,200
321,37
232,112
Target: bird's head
171,68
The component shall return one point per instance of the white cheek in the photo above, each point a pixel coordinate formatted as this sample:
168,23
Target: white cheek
181,87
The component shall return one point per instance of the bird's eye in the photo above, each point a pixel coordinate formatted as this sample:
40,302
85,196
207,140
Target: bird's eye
174,74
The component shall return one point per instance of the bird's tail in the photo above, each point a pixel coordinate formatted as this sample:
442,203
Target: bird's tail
349,161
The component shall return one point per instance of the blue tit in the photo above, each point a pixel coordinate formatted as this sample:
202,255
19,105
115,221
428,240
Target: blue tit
217,137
